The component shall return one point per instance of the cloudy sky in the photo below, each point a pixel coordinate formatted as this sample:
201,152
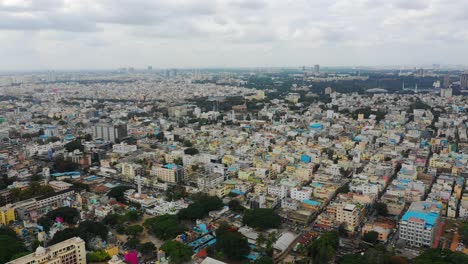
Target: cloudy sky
107,34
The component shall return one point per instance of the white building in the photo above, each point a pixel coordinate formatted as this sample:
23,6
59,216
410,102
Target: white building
70,251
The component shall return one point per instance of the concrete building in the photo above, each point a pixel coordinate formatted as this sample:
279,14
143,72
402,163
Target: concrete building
349,214
110,132
419,224
169,173
71,251
7,215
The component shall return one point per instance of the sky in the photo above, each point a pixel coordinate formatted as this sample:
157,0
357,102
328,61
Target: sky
109,34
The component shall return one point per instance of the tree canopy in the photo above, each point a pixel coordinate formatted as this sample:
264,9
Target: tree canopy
118,192
178,252
263,218
99,255
371,237
164,226
68,214
11,246
191,151
381,209
323,249
440,256
231,243
201,207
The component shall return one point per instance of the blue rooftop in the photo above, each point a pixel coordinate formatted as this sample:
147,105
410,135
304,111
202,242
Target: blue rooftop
311,202
237,192
430,218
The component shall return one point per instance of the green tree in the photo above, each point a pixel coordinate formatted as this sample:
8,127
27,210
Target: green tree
381,209
235,206
232,244
264,260
73,145
175,192
68,214
323,249
10,245
263,218
440,256
112,219
132,216
99,255
202,205
164,226
45,222
133,243
178,252
463,231
63,235
134,230
118,193
371,237
64,165
147,248
191,151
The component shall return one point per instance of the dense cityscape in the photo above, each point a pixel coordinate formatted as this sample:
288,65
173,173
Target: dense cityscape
251,165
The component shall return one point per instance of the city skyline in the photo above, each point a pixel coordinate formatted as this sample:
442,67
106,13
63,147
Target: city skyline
70,35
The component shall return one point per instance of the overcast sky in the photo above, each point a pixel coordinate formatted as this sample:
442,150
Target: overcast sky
107,34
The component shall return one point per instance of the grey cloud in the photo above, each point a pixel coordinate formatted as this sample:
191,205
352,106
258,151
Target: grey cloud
412,4
249,4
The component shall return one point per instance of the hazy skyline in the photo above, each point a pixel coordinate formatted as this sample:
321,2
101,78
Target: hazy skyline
106,34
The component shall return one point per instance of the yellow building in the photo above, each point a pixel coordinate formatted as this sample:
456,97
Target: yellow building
7,215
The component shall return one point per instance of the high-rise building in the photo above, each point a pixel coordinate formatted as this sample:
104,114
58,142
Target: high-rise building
446,92
419,224
464,80
316,68
110,132
70,251
169,173
150,68
446,83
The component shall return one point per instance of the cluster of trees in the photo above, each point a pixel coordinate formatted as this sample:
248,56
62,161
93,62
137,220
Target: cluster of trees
262,218
87,230
99,255
232,244
191,151
73,145
35,189
179,252
11,247
379,115
236,206
69,215
381,209
118,192
323,249
174,193
64,165
379,255
202,205
441,256
117,220
164,226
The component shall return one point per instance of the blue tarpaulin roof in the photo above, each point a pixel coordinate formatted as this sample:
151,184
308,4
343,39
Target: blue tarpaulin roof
311,202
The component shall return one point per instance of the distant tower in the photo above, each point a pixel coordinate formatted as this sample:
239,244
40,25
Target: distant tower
46,174
403,86
317,68
139,180
446,81
416,88
261,200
